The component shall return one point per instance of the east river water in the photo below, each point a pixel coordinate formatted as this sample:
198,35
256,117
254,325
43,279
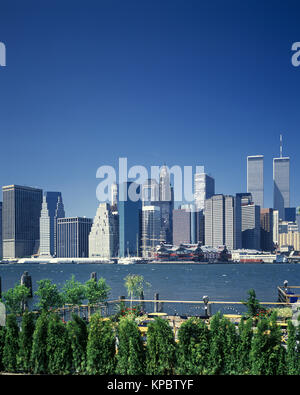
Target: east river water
220,282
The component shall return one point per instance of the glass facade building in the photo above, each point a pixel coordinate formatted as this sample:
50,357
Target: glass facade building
73,237
21,211
255,178
52,208
281,180
150,230
130,220
204,188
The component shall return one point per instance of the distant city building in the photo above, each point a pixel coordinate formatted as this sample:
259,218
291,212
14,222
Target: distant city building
1,249
184,225
104,235
281,180
266,229
150,193
275,227
255,178
151,227
251,226
204,188
114,195
290,239
130,221
52,208
166,204
298,217
290,214
223,221
287,226
73,237
21,210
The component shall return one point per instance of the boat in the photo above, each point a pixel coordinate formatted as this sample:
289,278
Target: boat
130,260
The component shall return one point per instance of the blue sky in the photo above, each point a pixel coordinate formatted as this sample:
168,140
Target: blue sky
181,82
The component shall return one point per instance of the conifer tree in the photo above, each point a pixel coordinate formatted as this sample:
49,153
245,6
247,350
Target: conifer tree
25,342
194,347
39,358
161,348
293,350
2,342
244,346
100,346
11,346
58,346
78,334
131,352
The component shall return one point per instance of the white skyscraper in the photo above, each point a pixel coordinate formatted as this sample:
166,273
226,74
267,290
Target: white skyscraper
281,180
204,188
255,178
103,238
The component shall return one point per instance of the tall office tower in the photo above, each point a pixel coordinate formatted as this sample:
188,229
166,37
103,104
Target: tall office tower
104,235
266,229
275,227
21,220
184,225
223,221
129,220
281,181
298,217
214,221
73,237
251,226
150,193
204,188
255,178
114,195
166,204
52,208
1,249
150,230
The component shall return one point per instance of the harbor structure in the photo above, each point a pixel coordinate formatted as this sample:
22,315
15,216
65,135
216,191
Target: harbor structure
281,183
130,220
255,178
21,210
73,237
52,209
104,235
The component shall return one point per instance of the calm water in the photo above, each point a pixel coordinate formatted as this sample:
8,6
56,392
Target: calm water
221,282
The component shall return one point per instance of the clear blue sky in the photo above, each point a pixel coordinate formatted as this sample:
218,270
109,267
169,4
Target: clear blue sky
181,82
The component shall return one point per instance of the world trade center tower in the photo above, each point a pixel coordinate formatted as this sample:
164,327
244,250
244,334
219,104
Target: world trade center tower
281,180
255,178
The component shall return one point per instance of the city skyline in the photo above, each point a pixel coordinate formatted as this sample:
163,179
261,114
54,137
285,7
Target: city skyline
152,81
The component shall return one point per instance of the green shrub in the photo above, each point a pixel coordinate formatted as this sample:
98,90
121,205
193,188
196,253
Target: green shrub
11,346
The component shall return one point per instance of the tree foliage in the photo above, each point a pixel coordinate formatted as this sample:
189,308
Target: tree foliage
49,295
25,342
131,353
11,346
161,348
14,298
78,334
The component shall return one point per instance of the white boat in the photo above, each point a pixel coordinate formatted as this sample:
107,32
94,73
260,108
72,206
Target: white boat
126,261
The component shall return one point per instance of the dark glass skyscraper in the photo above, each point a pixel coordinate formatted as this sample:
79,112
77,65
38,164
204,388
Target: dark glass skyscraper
73,237
255,178
21,220
52,209
129,220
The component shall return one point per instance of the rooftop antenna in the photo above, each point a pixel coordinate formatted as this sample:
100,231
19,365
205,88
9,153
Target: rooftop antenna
281,146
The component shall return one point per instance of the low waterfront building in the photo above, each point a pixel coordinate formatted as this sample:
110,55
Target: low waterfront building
291,239
252,256
191,253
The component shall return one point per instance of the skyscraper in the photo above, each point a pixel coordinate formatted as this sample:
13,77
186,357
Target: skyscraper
204,188
281,180
166,204
150,229
255,178
52,208
21,220
73,237
182,226
104,235
129,220
250,225
1,248
266,229
223,221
